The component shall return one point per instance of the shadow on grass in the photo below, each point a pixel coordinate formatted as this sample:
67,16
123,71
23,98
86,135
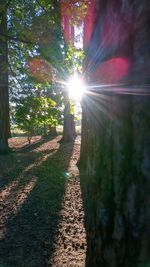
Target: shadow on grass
13,164
36,144
30,231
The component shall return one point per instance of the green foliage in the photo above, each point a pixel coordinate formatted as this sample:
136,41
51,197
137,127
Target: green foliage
74,60
33,112
34,30
76,9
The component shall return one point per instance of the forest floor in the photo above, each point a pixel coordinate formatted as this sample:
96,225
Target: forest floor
42,217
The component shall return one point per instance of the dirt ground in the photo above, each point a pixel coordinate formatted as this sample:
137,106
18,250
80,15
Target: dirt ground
42,217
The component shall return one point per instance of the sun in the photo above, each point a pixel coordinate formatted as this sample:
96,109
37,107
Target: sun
76,88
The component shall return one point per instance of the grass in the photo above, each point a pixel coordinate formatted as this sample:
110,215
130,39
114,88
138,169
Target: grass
16,132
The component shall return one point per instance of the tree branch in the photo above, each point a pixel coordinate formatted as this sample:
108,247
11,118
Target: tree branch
15,39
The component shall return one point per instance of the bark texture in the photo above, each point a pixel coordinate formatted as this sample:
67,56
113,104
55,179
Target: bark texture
116,143
4,99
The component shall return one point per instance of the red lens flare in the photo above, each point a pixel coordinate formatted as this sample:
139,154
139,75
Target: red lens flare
112,71
40,69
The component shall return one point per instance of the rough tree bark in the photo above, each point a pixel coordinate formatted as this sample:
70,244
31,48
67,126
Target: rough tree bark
115,177
4,97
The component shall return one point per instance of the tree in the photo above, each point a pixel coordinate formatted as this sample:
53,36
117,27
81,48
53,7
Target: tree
34,33
115,174
73,65
69,132
4,96
34,112
32,30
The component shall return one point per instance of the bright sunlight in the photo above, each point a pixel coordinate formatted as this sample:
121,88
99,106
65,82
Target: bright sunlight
76,88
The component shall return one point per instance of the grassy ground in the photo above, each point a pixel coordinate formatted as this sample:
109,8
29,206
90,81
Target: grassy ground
41,215
16,132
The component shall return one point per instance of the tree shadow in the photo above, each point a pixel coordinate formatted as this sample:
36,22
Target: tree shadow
84,200
12,165
30,229
32,146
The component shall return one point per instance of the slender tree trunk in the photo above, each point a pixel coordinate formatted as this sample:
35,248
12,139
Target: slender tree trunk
4,96
84,135
69,132
44,129
52,131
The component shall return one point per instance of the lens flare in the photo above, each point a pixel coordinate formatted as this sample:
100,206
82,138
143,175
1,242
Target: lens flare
40,69
76,88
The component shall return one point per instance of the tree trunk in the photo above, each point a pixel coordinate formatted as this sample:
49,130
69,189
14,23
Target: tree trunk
52,131
116,144
44,129
4,97
84,135
69,132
